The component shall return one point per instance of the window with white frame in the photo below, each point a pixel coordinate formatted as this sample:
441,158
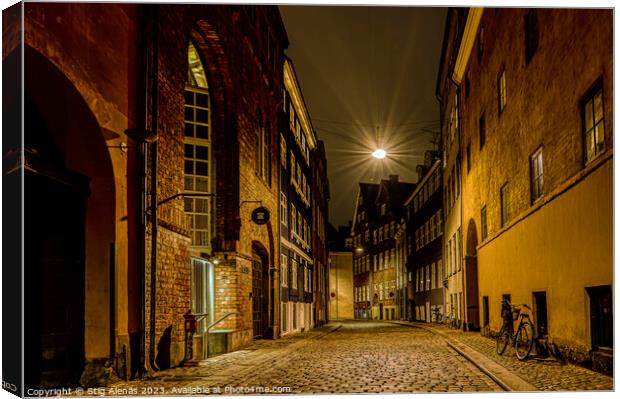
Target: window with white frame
536,175
594,123
294,266
283,209
282,151
198,171
284,270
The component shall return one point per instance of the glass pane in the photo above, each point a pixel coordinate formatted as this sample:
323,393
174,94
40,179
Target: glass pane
189,130
202,184
588,115
202,152
189,97
189,167
600,137
189,151
202,222
598,106
202,115
202,205
196,71
590,144
202,168
189,114
202,100
202,132
189,204
189,183
201,238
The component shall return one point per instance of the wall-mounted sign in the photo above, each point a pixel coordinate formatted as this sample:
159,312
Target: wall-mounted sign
260,215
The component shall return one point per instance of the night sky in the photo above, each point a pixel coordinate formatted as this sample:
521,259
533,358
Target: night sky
368,75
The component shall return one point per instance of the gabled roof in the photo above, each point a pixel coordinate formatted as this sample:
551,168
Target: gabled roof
397,192
368,193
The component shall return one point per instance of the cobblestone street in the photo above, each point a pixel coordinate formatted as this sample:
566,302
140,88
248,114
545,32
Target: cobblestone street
545,374
359,357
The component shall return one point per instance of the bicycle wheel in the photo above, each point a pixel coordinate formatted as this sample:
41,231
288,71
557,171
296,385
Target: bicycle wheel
502,341
524,341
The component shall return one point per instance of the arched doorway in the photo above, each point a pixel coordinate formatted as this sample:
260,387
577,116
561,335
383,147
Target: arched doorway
471,279
69,223
260,292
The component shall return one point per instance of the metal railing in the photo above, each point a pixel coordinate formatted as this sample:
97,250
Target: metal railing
210,326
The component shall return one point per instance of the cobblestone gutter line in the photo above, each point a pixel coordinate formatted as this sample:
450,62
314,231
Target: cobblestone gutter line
506,379
545,374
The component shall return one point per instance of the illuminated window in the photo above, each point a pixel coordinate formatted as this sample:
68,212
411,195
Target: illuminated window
284,270
294,273
293,218
501,91
283,209
283,151
536,175
198,176
454,118
594,124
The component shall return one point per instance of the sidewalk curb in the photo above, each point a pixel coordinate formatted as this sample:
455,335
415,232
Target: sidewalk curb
506,379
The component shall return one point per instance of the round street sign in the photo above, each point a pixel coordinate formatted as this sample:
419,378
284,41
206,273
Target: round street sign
260,215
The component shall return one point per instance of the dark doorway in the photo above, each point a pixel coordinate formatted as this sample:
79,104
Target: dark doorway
472,313
380,311
601,317
260,300
485,311
540,313
54,229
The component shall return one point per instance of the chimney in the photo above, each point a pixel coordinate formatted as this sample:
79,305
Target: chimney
394,178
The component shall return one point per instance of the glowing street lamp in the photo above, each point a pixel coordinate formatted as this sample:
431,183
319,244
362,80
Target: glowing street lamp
379,153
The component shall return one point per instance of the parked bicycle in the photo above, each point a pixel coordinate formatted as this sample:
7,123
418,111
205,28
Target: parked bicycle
523,340
437,315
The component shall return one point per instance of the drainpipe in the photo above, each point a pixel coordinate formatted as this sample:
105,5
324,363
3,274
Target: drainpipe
154,114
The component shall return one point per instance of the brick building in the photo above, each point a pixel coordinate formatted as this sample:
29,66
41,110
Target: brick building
144,139
378,209
424,241
536,122
320,252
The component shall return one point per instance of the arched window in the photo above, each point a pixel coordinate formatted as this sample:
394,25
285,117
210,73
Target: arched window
198,162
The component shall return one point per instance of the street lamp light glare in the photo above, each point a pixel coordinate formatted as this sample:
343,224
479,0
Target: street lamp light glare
379,153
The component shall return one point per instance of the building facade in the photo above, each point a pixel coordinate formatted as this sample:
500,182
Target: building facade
536,112
448,94
379,209
159,157
340,302
297,143
320,195
425,233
